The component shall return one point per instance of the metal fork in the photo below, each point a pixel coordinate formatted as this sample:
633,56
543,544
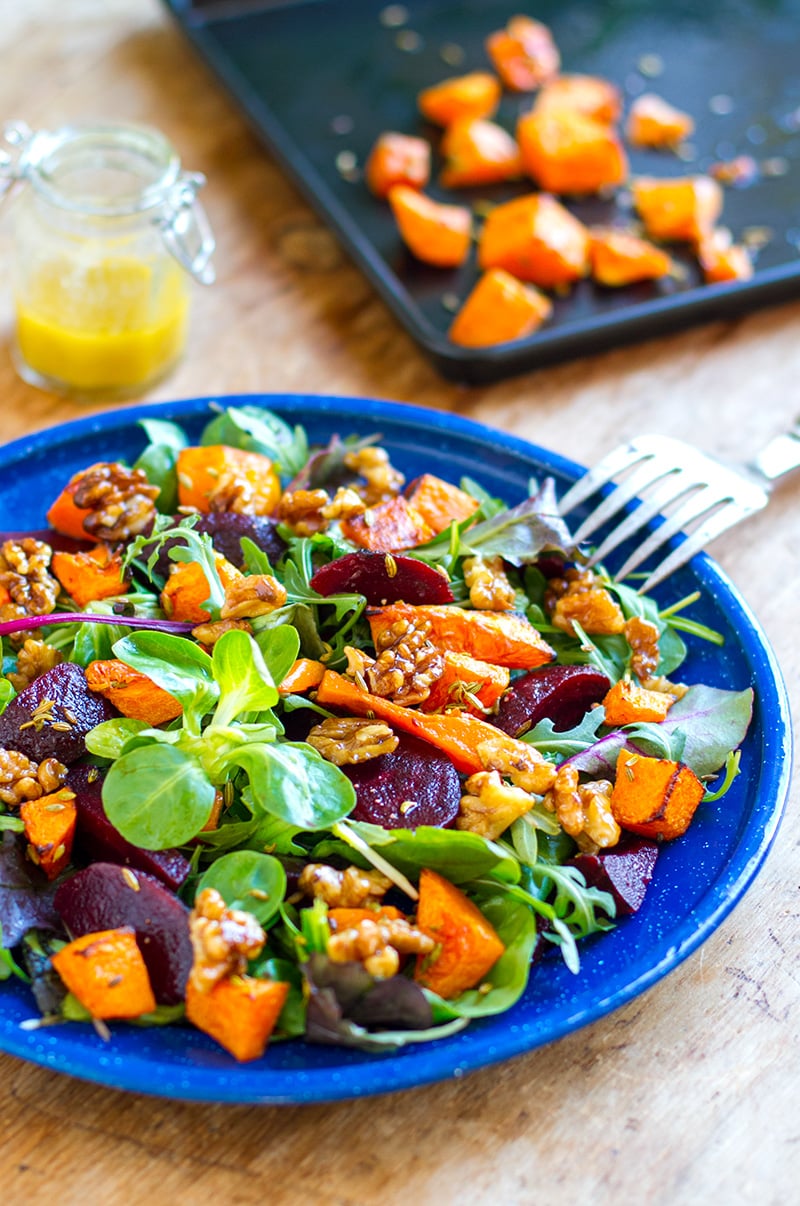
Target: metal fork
707,497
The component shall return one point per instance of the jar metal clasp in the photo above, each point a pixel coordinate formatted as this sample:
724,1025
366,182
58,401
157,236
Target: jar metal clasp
16,140
185,228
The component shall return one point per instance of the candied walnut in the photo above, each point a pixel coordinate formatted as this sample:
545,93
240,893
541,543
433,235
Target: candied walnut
578,596
345,504
301,510
254,595
24,566
407,663
223,940
642,636
358,662
488,584
489,805
208,634
346,740
33,659
121,501
236,492
583,810
348,889
383,481
22,779
518,761
379,945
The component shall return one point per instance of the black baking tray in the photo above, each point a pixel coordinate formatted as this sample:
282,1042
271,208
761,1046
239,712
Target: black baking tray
320,79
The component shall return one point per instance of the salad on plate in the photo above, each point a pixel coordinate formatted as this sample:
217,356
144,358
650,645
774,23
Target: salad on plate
291,748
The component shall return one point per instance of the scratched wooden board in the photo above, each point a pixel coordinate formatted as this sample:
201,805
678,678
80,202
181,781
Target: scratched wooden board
322,78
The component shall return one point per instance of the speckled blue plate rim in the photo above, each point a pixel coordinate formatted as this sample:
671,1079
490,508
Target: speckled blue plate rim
74,1050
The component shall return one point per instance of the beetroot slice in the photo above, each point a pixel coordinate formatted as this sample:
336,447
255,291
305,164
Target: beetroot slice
624,870
414,785
97,841
74,706
106,896
562,694
382,579
58,542
226,529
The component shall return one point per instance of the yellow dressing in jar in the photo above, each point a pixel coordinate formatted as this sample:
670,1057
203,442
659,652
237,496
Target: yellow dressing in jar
107,239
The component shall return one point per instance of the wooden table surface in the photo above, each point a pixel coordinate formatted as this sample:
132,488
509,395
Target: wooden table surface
690,1093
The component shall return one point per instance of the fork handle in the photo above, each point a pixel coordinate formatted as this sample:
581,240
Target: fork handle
780,456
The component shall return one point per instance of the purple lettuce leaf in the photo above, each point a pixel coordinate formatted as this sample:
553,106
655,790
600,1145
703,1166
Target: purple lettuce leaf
25,901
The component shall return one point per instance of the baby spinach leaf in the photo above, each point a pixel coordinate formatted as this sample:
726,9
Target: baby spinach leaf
245,683
248,880
157,796
457,854
178,665
295,783
257,430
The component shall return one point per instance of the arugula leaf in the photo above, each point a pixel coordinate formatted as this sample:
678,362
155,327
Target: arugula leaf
248,880
257,430
157,796
566,743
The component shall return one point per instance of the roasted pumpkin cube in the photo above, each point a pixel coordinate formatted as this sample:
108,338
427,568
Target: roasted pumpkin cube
476,94
535,239
131,692
89,575
389,527
499,308
439,502
500,638
467,945
682,209
586,94
436,233
50,830
524,54
187,589
466,682
619,258
478,151
106,972
566,152
628,703
239,1012
397,159
723,260
654,122
655,797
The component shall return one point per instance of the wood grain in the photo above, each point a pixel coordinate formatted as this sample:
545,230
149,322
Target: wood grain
689,1094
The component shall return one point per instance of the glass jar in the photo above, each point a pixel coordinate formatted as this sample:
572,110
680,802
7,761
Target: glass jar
108,232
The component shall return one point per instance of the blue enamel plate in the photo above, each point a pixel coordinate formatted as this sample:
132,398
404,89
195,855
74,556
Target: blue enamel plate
698,879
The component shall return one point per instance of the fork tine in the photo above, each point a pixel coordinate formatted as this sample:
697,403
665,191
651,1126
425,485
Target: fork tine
696,507
674,483
617,461
671,490
718,523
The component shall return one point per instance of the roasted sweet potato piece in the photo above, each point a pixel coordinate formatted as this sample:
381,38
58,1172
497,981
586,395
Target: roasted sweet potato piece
467,683
524,54
213,474
654,796
619,258
437,234
535,239
586,94
397,159
387,528
343,918
239,1012
682,209
627,703
186,589
90,575
106,972
50,830
500,638
499,308
439,502
456,734
566,152
478,151
304,674
474,95
467,945
653,122
723,260
131,692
